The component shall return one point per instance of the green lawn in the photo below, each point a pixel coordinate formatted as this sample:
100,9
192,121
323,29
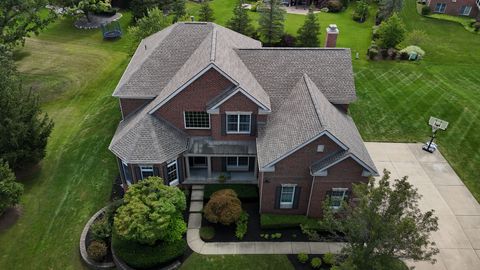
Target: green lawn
74,72
230,262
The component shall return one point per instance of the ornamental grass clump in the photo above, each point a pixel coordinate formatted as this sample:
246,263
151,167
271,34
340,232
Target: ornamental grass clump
97,250
224,207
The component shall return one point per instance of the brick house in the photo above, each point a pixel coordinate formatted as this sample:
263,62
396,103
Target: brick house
201,103
468,8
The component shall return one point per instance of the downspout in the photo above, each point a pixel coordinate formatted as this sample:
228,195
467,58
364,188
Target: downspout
310,198
260,179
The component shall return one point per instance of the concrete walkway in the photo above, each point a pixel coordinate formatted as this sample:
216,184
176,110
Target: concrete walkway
458,237
264,247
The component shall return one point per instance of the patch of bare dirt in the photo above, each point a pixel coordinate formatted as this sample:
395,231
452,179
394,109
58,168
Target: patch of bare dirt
10,217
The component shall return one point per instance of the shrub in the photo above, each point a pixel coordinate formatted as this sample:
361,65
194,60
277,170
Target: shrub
403,55
276,235
329,258
141,256
243,191
223,207
151,211
361,11
393,53
302,257
375,31
310,233
426,10
10,189
207,233
316,263
476,25
97,250
101,229
334,6
391,32
372,53
153,22
415,49
242,225
384,53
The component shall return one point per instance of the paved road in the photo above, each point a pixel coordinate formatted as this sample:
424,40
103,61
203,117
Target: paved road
458,237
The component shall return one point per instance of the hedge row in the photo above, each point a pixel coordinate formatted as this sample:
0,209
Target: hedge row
144,256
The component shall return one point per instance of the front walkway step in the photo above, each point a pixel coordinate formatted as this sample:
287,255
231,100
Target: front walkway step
197,195
198,187
195,221
196,206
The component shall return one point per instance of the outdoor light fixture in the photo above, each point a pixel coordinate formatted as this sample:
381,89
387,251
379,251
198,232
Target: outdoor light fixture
436,124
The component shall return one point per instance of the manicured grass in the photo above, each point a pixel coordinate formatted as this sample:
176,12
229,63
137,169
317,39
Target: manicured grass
464,21
74,72
229,262
272,221
396,99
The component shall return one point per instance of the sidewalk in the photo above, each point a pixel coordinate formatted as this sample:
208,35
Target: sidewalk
264,247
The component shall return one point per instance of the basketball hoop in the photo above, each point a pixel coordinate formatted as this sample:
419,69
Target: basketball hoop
436,124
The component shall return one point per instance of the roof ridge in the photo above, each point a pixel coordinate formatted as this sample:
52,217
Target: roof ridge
214,44
313,99
297,48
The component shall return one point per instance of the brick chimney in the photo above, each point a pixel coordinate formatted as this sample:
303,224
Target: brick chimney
332,33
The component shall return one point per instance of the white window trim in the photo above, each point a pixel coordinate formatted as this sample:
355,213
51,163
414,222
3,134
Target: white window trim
185,121
238,167
287,205
469,8
146,168
238,122
440,9
170,164
124,164
343,196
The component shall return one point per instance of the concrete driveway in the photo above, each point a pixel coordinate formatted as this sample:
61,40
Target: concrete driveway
458,237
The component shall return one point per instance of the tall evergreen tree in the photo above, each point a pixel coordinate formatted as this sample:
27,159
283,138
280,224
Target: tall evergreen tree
206,12
308,33
24,129
272,18
240,22
178,10
388,7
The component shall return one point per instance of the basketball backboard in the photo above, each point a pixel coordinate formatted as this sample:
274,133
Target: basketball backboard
437,124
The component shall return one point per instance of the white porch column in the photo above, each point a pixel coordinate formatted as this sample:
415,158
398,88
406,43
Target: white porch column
209,165
187,166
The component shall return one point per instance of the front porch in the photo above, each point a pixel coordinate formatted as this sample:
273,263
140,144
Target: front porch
209,162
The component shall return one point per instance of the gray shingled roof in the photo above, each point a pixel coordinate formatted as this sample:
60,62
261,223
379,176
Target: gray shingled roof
299,118
278,70
144,138
327,161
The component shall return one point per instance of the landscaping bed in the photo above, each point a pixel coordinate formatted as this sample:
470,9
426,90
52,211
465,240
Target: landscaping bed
255,232
293,258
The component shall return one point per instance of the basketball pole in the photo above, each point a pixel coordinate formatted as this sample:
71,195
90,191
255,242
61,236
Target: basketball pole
431,140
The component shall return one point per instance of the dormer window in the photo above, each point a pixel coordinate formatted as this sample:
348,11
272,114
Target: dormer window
238,123
197,120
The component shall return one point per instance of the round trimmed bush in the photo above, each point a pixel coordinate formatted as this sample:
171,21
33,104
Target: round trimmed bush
97,250
224,207
334,6
426,10
329,258
207,233
316,263
302,257
142,256
101,229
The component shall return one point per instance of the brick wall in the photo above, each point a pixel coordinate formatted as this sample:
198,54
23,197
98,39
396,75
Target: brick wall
129,105
453,8
194,98
295,170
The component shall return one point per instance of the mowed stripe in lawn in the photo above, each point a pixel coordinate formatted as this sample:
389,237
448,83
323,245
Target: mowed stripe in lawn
396,101
77,173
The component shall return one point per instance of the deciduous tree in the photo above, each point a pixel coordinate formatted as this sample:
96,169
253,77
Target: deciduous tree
24,129
150,24
10,190
310,30
20,18
240,22
152,211
384,225
90,6
271,22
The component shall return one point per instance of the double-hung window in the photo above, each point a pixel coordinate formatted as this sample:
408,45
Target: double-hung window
440,7
237,163
172,173
238,123
338,195
197,120
146,171
287,196
465,10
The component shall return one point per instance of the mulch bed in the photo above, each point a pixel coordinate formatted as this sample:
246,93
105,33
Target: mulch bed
306,266
227,233
10,217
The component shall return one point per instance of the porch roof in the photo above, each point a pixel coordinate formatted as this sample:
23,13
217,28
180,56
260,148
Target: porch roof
210,147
